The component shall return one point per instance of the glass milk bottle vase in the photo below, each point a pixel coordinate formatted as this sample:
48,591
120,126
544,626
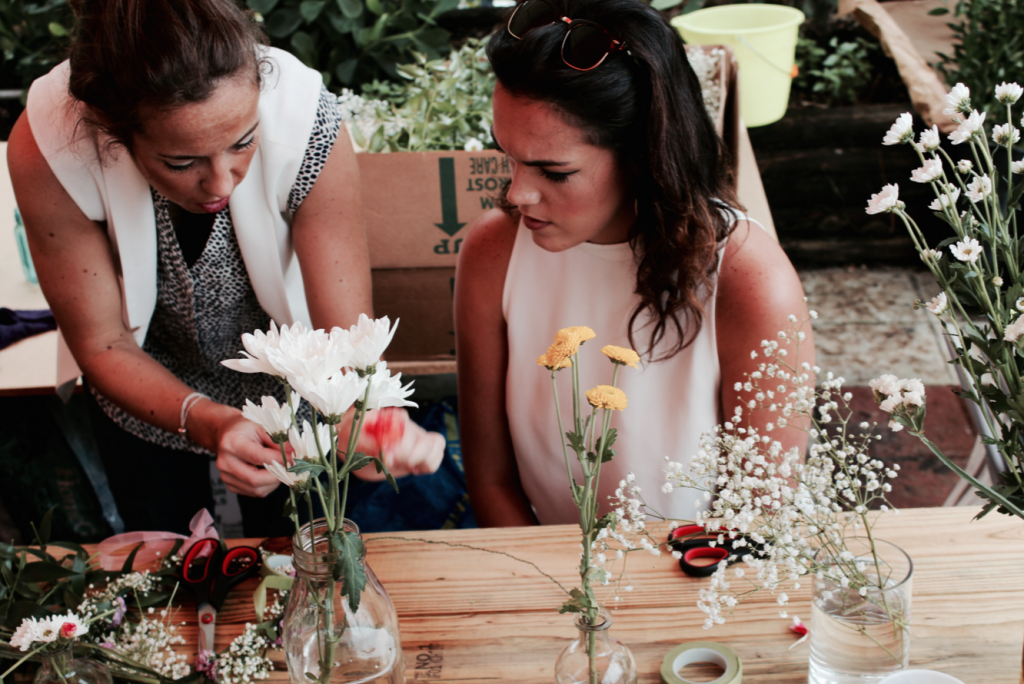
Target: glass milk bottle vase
324,641
608,662
62,667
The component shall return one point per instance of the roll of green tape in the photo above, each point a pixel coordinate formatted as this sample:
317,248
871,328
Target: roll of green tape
701,652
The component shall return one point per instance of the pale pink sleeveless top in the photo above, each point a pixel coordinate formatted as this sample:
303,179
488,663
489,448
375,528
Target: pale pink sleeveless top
671,402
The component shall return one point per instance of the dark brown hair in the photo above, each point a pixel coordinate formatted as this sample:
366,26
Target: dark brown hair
130,54
646,106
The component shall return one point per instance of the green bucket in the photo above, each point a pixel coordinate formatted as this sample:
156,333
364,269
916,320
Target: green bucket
764,40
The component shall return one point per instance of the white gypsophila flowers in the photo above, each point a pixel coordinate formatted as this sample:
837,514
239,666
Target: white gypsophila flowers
1014,330
886,200
964,166
473,145
938,304
947,198
968,129
966,250
275,418
257,346
1017,167
1008,93
333,396
958,100
387,390
151,642
369,338
1005,134
899,397
929,139
931,170
979,188
900,132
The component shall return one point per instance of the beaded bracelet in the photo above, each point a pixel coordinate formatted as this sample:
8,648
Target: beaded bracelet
186,406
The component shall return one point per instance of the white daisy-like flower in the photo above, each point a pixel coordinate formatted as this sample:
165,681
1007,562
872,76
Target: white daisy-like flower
886,200
900,132
275,418
387,390
1005,134
931,255
938,304
928,141
997,281
1014,330
945,199
257,347
291,480
979,188
958,100
473,145
1008,93
369,338
1017,167
1019,305
26,634
931,170
964,166
304,445
968,128
966,250
331,397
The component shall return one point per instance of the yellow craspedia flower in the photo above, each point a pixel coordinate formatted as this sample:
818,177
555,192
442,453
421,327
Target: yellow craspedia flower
543,360
621,355
607,397
574,336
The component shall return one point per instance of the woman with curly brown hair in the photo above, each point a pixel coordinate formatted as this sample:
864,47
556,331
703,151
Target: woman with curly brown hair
620,216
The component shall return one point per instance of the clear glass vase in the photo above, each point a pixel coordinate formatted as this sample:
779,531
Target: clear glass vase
62,667
862,635
611,663
319,627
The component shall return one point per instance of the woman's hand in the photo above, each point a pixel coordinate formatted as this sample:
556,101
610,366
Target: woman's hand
405,447
243,448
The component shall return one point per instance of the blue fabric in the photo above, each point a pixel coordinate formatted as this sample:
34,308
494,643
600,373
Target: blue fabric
17,325
424,502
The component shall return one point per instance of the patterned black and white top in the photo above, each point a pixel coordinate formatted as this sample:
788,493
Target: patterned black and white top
202,310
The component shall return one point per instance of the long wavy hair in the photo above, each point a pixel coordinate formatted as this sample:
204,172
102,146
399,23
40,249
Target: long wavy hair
127,55
645,106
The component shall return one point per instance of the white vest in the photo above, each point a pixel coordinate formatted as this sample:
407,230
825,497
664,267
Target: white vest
113,190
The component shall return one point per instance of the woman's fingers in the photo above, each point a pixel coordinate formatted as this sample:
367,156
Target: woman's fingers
244,450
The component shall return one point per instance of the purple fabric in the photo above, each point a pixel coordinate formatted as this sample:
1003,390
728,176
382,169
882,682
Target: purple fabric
17,325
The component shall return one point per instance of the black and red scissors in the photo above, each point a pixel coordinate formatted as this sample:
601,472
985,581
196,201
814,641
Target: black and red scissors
210,573
703,552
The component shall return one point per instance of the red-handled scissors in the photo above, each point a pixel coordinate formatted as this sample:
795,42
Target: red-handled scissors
209,574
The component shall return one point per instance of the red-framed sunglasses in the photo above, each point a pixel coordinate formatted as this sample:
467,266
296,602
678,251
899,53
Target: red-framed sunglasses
585,45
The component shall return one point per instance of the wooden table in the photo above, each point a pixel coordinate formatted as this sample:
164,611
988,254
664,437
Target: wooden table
469,616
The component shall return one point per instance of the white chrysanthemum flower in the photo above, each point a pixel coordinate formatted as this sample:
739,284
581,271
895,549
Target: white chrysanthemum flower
966,250
928,141
968,128
958,100
931,170
333,396
938,304
275,418
964,166
1017,167
900,132
473,145
26,634
1008,93
979,188
387,390
291,480
1019,305
886,200
1014,330
257,346
946,198
369,338
304,445
1005,134
312,355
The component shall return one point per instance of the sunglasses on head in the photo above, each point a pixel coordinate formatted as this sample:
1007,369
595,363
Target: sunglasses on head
585,45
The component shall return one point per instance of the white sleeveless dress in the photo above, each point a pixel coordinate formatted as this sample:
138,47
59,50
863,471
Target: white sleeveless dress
671,402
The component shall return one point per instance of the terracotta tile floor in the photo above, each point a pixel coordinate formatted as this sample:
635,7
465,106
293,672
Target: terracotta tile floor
867,326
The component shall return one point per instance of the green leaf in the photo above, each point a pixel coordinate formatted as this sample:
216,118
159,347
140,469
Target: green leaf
311,677
357,461
44,528
349,568
42,571
57,30
443,6
314,469
262,6
350,8
304,48
938,11
375,6
345,71
1017,192
283,22
381,468
311,9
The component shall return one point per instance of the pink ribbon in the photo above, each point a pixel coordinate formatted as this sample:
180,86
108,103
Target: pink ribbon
113,551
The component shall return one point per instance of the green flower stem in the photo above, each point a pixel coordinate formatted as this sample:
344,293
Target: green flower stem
562,439
291,494
25,657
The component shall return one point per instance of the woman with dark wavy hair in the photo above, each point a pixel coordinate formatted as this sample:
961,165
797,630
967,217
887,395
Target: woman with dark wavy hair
173,175
620,216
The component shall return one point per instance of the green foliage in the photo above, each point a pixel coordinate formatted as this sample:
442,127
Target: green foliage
442,104
837,74
988,49
351,42
33,38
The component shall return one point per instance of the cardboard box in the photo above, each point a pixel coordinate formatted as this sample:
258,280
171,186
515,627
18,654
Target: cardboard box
421,299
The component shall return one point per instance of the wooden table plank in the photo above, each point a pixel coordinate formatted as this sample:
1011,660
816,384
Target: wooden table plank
470,616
